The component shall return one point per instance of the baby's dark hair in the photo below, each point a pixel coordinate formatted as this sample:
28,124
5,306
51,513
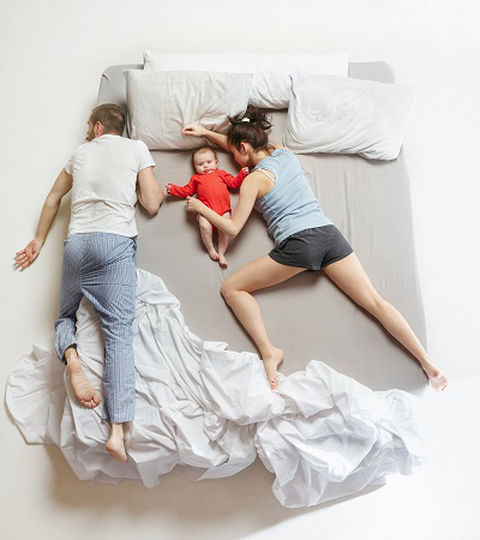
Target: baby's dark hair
251,127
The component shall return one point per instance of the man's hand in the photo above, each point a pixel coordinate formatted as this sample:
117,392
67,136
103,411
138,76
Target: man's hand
194,130
26,257
194,205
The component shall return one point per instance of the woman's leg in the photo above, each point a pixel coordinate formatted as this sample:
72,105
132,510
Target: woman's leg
349,275
206,232
223,245
259,274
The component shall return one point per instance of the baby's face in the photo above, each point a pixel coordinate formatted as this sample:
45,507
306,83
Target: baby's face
205,162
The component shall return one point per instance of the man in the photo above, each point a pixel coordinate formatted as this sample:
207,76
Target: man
107,175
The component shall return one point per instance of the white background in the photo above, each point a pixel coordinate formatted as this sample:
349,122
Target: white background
52,55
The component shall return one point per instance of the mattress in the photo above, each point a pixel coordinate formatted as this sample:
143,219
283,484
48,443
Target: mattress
308,316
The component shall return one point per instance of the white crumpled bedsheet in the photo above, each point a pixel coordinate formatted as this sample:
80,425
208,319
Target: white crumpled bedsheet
322,434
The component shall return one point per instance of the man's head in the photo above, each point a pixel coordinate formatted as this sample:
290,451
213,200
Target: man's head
205,160
106,118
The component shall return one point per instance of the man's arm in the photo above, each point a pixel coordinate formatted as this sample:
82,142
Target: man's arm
149,193
61,186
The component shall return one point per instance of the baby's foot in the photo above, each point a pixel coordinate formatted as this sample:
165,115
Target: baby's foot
82,387
270,363
213,254
223,262
116,447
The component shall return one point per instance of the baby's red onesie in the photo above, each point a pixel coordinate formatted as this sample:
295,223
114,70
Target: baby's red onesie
211,189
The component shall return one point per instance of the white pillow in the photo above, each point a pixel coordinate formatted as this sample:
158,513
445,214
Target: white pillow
271,72
346,116
160,104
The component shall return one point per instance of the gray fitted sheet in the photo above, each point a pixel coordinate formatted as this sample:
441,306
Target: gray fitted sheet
308,316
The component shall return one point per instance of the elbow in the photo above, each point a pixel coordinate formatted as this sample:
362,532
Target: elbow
52,200
153,205
233,231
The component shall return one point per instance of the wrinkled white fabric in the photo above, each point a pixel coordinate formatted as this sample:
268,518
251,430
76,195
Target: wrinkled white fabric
322,434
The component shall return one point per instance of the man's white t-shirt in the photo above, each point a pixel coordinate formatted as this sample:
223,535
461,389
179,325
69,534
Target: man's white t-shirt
104,191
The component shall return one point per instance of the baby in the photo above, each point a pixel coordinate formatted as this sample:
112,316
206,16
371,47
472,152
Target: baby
211,186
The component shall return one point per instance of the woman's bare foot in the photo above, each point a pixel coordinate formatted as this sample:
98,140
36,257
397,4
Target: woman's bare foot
116,444
222,261
437,379
82,387
271,362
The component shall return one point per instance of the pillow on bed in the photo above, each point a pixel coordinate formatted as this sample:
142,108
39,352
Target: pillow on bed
271,72
160,104
341,115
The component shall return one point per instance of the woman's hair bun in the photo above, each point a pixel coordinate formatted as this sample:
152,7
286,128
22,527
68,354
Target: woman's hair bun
254,116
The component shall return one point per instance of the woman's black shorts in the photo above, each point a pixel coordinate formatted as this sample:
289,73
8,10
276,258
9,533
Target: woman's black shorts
312,248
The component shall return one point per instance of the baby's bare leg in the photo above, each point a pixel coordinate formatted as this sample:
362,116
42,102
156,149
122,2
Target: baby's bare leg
206,232
223,245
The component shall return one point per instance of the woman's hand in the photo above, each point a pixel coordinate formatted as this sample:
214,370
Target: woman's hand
194,130
194,205
26,257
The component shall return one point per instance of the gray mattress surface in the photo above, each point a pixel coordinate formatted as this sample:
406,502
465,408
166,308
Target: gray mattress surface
308,316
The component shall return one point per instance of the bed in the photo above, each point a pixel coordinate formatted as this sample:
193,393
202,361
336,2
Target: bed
308,317
343,417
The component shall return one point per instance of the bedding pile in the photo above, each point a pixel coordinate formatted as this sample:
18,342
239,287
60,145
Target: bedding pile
322,434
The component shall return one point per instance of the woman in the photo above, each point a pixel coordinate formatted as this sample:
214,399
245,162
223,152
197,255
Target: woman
305,239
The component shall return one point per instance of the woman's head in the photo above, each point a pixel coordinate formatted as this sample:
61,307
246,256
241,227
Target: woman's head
248,134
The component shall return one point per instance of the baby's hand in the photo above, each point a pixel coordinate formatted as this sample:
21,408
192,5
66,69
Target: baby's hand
245,170
167,187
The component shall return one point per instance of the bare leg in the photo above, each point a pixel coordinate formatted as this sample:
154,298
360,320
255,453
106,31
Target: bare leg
116,443
259,274
223,245
349,275
206,232
82,387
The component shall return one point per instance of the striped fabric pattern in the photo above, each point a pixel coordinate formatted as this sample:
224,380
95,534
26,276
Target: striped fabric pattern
101,267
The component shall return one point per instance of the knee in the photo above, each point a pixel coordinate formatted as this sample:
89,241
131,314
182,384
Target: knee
226,290
374,304
204,225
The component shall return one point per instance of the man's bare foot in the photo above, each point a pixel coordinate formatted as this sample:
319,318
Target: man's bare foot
82,387
222,261
270,363
116,444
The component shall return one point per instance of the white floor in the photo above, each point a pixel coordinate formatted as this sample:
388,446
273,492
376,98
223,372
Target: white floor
52,55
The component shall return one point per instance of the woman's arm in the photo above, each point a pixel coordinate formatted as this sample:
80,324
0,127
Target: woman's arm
248,195
61,186
199,131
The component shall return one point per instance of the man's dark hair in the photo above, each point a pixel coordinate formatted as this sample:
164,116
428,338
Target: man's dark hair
111,116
